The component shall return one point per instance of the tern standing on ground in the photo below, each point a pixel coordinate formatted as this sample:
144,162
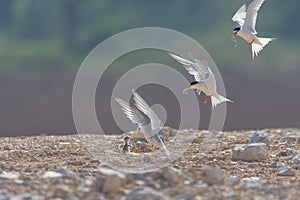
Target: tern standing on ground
245,20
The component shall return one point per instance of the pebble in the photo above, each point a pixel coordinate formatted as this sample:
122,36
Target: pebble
184,197
64,171
288,139
250,152
145,194
259,138
285,171
10,175
233,180
26,196
212,176
51,174
273,164
111,181
252,182
173,176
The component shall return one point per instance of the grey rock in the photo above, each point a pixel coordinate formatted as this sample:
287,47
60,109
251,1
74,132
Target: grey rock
233,180
287,158
145,194
184,197
64,171
273,164
111,182
4,197
61,192
285,171
26,197
250,152
288,139
73,198
212,176
173,176
295,158
259,138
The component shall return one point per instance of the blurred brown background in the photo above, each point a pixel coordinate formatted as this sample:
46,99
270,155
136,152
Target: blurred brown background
42,45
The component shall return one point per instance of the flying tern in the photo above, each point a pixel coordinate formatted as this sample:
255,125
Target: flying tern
141,114
205,79
245,20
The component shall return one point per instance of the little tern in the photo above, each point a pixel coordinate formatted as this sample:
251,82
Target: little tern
142,115
205,79
245,20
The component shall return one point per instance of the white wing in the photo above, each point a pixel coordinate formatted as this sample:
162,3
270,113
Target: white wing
133,114
252,15
210,80
240,16
198,70
141,104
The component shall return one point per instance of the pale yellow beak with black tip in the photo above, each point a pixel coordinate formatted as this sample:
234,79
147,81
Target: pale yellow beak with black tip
185,90
233,39
234,36
137,132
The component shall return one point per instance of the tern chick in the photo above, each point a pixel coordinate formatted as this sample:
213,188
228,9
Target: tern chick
142,115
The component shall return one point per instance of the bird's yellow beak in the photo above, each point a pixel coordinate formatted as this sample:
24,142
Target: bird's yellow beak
185,90
233,36
137,132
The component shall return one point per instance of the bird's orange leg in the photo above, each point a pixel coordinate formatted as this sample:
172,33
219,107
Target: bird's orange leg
154,149
206,99
250,44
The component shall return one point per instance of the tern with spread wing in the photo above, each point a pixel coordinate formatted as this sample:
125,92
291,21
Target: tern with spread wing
141,114
245,20
205,79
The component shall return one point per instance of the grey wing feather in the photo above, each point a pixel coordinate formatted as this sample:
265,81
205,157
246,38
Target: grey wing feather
252,15
133,114
193,68
240,16
142,105
208,76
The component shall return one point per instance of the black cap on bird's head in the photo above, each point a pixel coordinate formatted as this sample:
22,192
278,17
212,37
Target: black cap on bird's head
194,83
126,139
236,29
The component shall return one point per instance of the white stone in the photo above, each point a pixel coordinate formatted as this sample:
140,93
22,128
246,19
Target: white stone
10,175
51,174
250,152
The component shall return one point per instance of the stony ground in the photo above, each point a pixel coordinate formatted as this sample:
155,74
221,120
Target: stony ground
214,166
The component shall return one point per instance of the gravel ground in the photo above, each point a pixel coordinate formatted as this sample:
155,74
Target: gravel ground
214,166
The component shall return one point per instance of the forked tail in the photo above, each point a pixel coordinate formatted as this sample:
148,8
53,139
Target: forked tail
217,99
256,48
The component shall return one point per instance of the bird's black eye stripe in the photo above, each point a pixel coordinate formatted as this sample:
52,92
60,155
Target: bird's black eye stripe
194,83
237,29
